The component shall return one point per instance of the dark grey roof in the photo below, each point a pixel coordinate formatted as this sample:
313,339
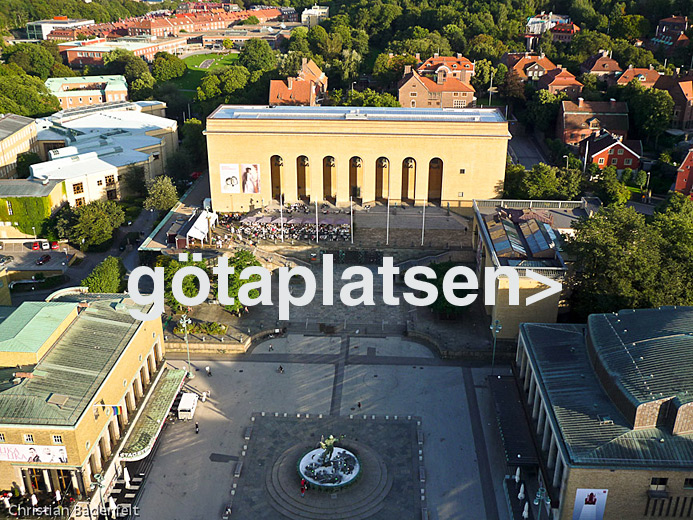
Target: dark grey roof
593,430
650,351
11,123
26,188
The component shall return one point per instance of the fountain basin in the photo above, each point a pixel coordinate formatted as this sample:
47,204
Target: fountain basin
342,470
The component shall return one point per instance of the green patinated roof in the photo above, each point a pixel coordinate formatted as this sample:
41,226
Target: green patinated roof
154,413
31,324
579,405
75,367
650,351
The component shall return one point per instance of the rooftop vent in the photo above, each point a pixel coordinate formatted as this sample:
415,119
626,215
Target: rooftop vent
605,420
58,400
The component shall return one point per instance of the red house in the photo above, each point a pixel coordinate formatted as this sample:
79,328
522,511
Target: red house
606,149
684,177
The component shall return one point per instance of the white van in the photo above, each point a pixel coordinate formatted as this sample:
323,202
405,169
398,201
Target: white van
187,405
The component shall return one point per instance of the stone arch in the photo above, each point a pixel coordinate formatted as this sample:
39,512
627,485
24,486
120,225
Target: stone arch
329,178
408,179
302,176
355,177
382,178
435,180
277,171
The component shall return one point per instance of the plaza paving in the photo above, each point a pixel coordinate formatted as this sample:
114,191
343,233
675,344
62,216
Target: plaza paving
192,474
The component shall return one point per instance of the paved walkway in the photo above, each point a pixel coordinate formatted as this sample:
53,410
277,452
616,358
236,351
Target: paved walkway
192,474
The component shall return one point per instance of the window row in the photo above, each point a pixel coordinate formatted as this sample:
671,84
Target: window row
29,438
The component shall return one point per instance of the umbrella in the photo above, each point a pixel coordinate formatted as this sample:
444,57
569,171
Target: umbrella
34,500
278,220
57,495
265,220
126,476
248,219
525,512
7,502
517,475
295,220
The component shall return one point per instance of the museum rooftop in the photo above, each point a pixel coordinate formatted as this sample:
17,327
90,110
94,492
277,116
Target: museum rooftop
447,115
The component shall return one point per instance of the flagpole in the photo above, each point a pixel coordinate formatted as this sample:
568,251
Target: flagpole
423,221
317,229
281,214
387,227
351,209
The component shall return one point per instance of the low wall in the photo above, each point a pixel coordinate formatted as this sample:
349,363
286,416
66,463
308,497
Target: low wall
217,344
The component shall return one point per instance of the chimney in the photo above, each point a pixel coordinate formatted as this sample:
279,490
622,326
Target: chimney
290,82
418,57
440,78
542,55
630,67
581,102
407,69
435,54
651,67
304,62
459,55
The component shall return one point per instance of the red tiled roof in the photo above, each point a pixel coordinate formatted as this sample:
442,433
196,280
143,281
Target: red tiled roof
520,61
647,77
449,85
675,19
569,28
601,62
432,64
298,94
558,78
612,116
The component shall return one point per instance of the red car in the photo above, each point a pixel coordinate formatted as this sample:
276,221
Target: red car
54,245
35,246
44,259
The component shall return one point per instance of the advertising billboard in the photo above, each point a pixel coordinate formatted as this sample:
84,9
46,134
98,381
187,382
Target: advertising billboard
230,178
32,453
590,504
251,178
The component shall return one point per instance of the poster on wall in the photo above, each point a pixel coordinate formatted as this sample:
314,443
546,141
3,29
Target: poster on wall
590,504
32,453
230,178
250,177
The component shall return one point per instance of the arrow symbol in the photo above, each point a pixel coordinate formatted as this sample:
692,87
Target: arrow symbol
554,287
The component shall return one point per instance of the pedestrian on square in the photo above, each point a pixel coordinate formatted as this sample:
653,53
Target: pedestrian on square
204,396
209,371
281,369
359,404
271,348
197,428
303,491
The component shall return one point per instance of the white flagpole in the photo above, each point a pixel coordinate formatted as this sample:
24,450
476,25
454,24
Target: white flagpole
387,227
281,214
423,221
351,208
317,228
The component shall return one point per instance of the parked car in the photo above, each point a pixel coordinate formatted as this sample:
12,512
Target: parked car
35,246
45,246
55,246
44,259
5,259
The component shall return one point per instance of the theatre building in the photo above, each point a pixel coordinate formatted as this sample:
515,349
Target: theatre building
416,155
78,371
611,410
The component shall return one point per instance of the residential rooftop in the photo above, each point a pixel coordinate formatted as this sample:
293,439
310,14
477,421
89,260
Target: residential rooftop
75,367
71,85
593,429
394,114
30,325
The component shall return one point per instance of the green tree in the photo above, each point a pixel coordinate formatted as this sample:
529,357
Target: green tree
542,109
23,94
24,162
388,70
257,55
167,67
161,194
652,110
227,44
209,88
107,277
58,70
91,224
442,307
240,260
610,189
639,178
364,98
135,181
251,20
189,285
34,59
482,75
484,46
233,78
142,87
512,89
193,140
630,27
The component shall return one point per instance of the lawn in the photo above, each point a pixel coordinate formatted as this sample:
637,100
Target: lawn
194,75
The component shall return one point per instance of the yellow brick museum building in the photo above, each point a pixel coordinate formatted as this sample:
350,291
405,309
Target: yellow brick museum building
258,154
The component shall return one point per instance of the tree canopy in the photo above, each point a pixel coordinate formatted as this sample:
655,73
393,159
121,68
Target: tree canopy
167,67
107,277
161,194
90,225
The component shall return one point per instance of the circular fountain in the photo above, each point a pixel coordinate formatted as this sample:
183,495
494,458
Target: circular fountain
338,471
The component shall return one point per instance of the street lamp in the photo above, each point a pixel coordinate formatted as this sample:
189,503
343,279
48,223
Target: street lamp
352,86
34,229
185,321
98,477
542,497
496,327
566,162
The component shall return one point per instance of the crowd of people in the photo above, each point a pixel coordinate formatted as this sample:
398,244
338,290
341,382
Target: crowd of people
272,231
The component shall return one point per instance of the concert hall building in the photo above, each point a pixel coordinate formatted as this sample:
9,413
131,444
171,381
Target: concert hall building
443,156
